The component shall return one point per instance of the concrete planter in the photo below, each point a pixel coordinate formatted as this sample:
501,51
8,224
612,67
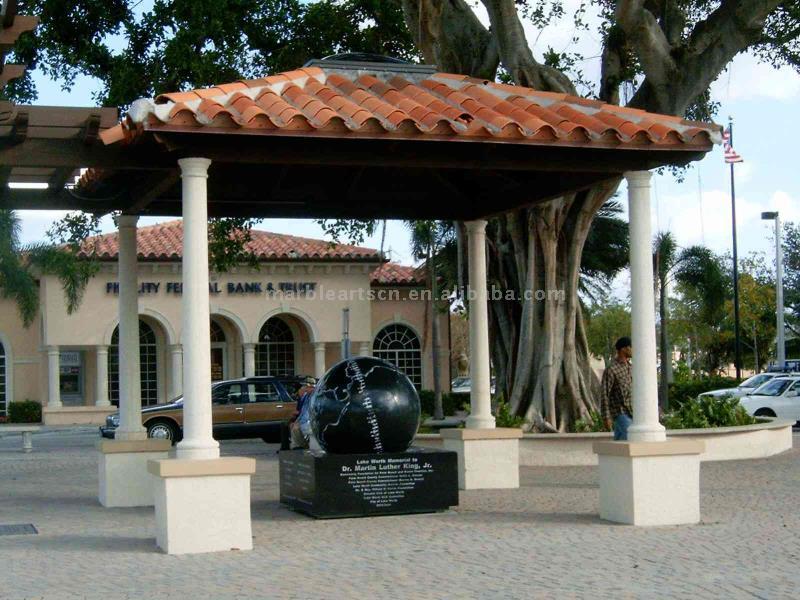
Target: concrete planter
575,449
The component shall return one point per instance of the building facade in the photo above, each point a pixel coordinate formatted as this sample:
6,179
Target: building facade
284,317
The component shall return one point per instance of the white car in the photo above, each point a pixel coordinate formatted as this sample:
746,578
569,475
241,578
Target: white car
748,386
779,397
463,385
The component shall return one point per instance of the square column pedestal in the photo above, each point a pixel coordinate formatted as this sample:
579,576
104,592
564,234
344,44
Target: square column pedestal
487,458
123,476
650,483
202,505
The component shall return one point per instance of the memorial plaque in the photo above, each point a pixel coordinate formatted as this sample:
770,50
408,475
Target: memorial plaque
326,485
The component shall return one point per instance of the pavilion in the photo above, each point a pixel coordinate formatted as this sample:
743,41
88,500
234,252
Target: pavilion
359,140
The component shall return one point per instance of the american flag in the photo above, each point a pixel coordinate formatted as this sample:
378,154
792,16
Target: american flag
731,155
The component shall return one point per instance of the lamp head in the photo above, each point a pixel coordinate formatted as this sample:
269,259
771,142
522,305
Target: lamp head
769,216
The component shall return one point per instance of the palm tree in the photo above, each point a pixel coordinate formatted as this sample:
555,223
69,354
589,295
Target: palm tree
705,289
664,258
72,262
427,240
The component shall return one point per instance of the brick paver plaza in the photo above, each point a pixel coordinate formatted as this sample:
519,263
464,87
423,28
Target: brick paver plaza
543,540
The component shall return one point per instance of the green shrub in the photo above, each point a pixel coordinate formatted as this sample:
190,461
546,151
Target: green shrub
683,388
707,411
26,411
592,424
450,402
504,418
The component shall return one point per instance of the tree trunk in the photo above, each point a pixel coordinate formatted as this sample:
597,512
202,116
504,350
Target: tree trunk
539,346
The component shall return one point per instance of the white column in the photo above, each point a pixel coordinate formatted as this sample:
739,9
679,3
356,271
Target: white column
198,441
365,349
53,377
176,365
249,360
101,369
130,393
645,427
319,359
480,396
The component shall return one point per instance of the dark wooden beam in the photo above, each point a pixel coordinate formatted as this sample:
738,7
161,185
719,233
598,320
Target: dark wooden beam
91,129
153,187
11,12
74,153
59,179
440,154
19,130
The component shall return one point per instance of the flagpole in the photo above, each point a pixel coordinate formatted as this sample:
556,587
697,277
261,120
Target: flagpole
738,346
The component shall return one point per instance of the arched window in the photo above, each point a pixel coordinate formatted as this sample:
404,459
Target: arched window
148,365
3,382
275,349
217,334
400,346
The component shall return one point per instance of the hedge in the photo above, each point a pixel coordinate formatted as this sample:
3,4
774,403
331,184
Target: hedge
450,402
26,411
692,388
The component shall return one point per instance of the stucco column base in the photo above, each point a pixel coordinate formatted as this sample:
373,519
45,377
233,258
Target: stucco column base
123,476
487,458
202,505
650,483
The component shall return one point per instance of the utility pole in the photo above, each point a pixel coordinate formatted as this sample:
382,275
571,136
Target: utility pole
738,342
781,350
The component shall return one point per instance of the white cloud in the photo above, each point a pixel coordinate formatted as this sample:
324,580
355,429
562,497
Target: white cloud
748,79
708,222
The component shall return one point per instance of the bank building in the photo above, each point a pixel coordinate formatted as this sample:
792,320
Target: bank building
284,317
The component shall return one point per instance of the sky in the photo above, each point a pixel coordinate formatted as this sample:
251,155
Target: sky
762,100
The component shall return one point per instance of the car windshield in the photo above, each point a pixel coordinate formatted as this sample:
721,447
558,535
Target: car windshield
776,387
460,381
755,381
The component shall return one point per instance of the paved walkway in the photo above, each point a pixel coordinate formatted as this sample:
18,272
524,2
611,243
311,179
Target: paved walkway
541,541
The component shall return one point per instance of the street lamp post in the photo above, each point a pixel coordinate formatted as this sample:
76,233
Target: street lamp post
781,354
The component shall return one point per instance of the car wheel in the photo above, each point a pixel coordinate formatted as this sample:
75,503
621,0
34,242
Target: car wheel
765,412
162,430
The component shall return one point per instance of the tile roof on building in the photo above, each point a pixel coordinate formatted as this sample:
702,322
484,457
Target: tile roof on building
395,274
397,102
164,242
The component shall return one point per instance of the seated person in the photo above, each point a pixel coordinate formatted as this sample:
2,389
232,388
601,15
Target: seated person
300,424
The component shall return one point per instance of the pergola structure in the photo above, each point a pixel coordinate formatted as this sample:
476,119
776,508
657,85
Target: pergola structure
367,140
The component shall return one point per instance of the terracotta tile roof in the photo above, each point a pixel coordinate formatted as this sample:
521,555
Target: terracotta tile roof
164,242
335,101
395,274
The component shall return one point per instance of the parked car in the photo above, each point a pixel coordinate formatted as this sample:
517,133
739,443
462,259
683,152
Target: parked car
253,407
791,365
463,385
779,397
748,386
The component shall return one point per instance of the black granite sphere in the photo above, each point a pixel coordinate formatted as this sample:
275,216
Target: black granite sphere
364,405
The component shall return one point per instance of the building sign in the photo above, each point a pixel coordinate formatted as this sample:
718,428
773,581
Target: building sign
69,359
247,288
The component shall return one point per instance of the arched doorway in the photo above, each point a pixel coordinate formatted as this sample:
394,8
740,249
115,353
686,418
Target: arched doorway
275,350
148,365
399,345
219,352
3,381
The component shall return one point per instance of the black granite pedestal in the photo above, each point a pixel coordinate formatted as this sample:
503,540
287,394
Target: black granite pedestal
328,486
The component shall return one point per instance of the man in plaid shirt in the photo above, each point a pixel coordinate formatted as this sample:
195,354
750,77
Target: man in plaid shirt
615,403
